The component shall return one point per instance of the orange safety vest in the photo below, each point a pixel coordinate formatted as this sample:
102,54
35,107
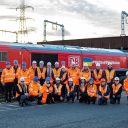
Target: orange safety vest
103,91
125,86
92,90
86,74
25,75
97,76
32,73
63,78
16,73
34,89
116,88
7,75
20,89
58,89
43,72
45,91
56,72
74,74
109,74
70,89
83,88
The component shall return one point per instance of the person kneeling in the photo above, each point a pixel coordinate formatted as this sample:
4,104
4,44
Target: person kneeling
58,91
103,93
117,90
47,92
91,91
21,93
71,90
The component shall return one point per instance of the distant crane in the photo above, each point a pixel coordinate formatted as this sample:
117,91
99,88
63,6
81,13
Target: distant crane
124,16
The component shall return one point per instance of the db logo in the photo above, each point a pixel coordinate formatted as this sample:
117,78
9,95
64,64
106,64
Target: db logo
74,59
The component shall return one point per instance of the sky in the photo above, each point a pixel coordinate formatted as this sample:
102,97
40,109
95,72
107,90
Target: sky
81,18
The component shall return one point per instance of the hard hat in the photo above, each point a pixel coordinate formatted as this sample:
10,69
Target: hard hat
82,78
41,62
116,78
56,63
91,79
23,64
47,79
109,64
126,73
7,63
63,62
63,67
49,63
21,79
35,78
103,80
34,62
85,64
57,79
97,64
70,79
15,61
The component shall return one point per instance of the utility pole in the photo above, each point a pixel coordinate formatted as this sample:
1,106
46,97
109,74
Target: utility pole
22,19
53,23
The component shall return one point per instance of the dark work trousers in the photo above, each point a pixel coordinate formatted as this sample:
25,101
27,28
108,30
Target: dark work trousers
102,101
8,91
77,91
42,81
71,96
111,93
14,87
91,99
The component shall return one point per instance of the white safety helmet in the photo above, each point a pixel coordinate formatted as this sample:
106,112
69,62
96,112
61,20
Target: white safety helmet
41,62
85,65
97,64
109,64
116,78
21,79
126,73
56,63
82,78
57,79
49,63
34,62
70,79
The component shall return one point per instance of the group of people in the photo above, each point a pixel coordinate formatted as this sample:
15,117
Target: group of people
50,85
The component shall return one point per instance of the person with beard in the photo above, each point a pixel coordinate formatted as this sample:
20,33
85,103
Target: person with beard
34,71
91,91
47,92
7,80
21,93
74,73
43,72
16,68
83,90
117,90
58,91
56,72
109,76
103,92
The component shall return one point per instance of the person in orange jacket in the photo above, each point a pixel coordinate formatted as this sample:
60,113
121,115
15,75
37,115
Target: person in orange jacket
34,90
103,92
34,71
43,72
74,73
109,76
91,91
125,85
47,92
58,91
83,90
85,72
7,80
70,90
97,75
25,74
117,90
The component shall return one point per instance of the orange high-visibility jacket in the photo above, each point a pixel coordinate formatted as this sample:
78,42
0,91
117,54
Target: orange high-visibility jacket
56,73
58,89
86,74
7,75
43,73
109,74
16,72
74,74
32,73
34,89
97,76
92,90
116,88
25,75
125,86
83,88
70,89
45,91
20,89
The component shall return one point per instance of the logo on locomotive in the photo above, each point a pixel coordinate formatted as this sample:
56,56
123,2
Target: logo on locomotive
74,59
